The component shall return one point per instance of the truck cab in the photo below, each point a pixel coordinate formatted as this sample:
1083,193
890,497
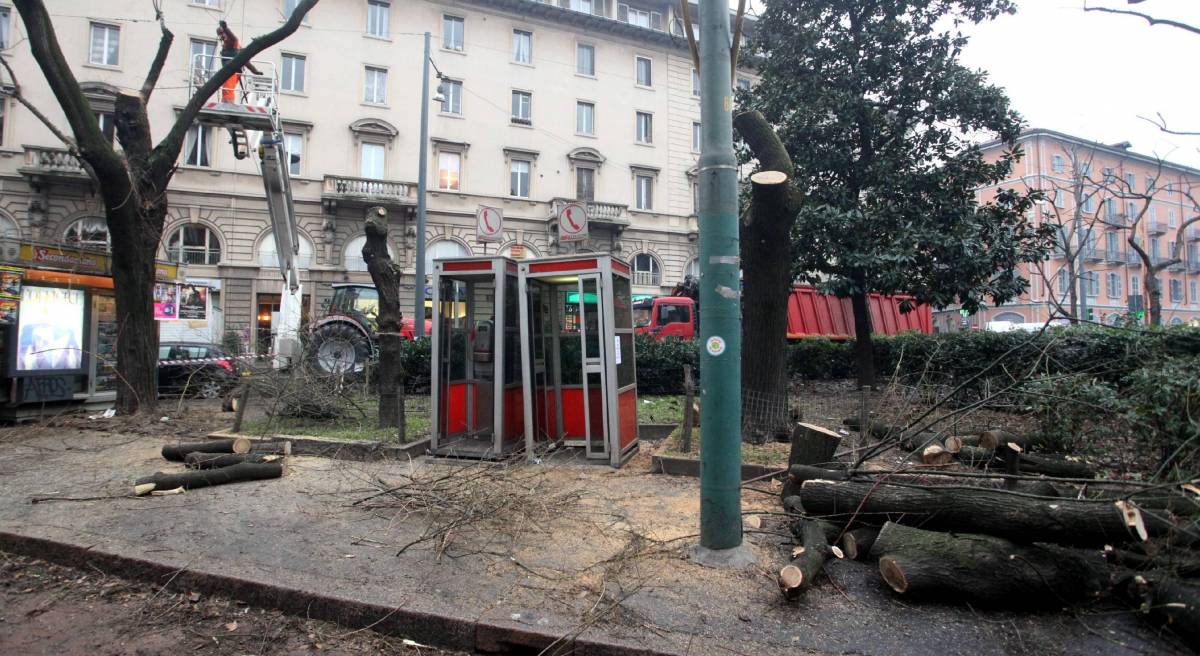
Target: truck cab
665,316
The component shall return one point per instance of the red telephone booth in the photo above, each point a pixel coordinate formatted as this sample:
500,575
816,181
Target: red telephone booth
476,369
578,358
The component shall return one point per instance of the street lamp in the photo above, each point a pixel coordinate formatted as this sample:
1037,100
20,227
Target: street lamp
423,163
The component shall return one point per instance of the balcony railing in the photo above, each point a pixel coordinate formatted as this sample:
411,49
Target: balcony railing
1114,255
1092,253
647,278
1193,266
1156,227
597,211
1134,259
51,160
368,190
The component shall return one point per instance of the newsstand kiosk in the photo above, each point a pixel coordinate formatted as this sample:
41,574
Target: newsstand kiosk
476,367
578,358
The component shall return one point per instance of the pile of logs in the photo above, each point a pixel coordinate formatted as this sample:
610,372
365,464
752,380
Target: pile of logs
216,462
1031,530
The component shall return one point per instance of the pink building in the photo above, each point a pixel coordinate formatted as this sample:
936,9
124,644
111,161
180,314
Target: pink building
1098,195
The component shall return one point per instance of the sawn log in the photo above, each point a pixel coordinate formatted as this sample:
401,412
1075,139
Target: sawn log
245,471
177,452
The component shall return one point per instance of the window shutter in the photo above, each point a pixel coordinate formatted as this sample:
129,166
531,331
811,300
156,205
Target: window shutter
623,12
656,21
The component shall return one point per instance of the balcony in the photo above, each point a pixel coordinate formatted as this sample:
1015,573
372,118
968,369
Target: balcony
1193,266
1156,227
1134,260
1093,254
44,165
598,213
362,192
1114,255
1116,222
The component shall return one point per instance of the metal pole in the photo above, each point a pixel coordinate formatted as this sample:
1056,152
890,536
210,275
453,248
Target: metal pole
423,163
720,291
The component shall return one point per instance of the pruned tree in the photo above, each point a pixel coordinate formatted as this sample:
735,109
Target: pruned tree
880,119
386,274
132,181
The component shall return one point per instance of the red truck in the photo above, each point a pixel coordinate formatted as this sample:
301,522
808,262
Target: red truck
810,314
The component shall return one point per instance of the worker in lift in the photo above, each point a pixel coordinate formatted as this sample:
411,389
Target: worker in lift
229,49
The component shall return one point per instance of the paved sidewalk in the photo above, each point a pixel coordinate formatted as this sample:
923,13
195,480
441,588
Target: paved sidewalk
296,544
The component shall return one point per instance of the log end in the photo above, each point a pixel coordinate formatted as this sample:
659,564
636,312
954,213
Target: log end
142,489
241,445
892,574
954,444
769,178
935,454
850,546
791,581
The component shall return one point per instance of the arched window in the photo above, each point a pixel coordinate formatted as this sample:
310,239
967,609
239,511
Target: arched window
525,251
89,232
646,270
194,244
267,256
1011,317
9,228
443,248
353,253
692,268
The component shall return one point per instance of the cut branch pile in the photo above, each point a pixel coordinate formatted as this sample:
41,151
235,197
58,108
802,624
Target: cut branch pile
1004,538
480,500
216,462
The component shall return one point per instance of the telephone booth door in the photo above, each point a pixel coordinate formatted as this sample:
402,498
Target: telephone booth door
578,359
475,370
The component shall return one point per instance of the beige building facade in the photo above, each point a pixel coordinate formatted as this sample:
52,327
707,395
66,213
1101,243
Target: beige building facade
541,104
1097,196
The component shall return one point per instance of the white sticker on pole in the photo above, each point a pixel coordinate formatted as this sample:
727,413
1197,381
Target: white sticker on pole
489,224
572,222
715,345
617,344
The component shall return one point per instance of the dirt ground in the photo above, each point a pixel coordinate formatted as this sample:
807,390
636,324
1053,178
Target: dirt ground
49,609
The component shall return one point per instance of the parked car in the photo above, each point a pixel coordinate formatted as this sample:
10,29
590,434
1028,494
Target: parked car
203,370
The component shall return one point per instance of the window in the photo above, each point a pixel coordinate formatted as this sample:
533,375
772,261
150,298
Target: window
1113,283
1192,291
453,29
585,183
1091,282
1170,189
644,71
1170,218
645,127
584,6
291,76
378,17
522,47
1112,245
518,178
646,270
452,91
1171,249
289,6
107,126
1108,175
1131,181
373,158
1062,281
1135,285
352,252
1084,169
1153,250
106,41
1089,202
193,244
90,233
1057,164
293,143
267,255
585,59
1176,291
449,171
204,55
1060,199
1110,208
585,117
1150,181
695,198
443,248
696,136
695,83
198,146
207,3
375,89
1131,209
644,187
5,17
522,107
743,83
639,17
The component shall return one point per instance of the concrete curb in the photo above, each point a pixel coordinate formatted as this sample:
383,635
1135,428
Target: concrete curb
309,445
447,632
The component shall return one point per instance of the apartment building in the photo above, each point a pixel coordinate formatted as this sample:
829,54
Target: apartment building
541,104
1097,196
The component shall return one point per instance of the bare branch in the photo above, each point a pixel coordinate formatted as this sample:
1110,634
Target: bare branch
737,38
160,57
37,113
1161,124
691,35
166,152
1149,19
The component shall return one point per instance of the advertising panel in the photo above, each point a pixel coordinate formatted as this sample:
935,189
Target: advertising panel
193,302
166,301
50,330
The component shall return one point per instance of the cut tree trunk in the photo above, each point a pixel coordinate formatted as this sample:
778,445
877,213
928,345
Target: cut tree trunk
981,569
1029,463
274,447
986,440
1174,605
856,544
981,510
766,269
1176,563
807,560
864,352
218,460
245,471
936,454
811,445
386,275
178,452
800,473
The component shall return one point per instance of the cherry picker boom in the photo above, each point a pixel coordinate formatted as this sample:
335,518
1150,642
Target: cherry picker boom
255,109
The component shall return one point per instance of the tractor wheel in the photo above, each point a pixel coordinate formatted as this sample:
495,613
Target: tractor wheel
339,349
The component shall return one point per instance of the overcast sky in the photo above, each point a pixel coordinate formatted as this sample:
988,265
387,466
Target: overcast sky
1092,74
